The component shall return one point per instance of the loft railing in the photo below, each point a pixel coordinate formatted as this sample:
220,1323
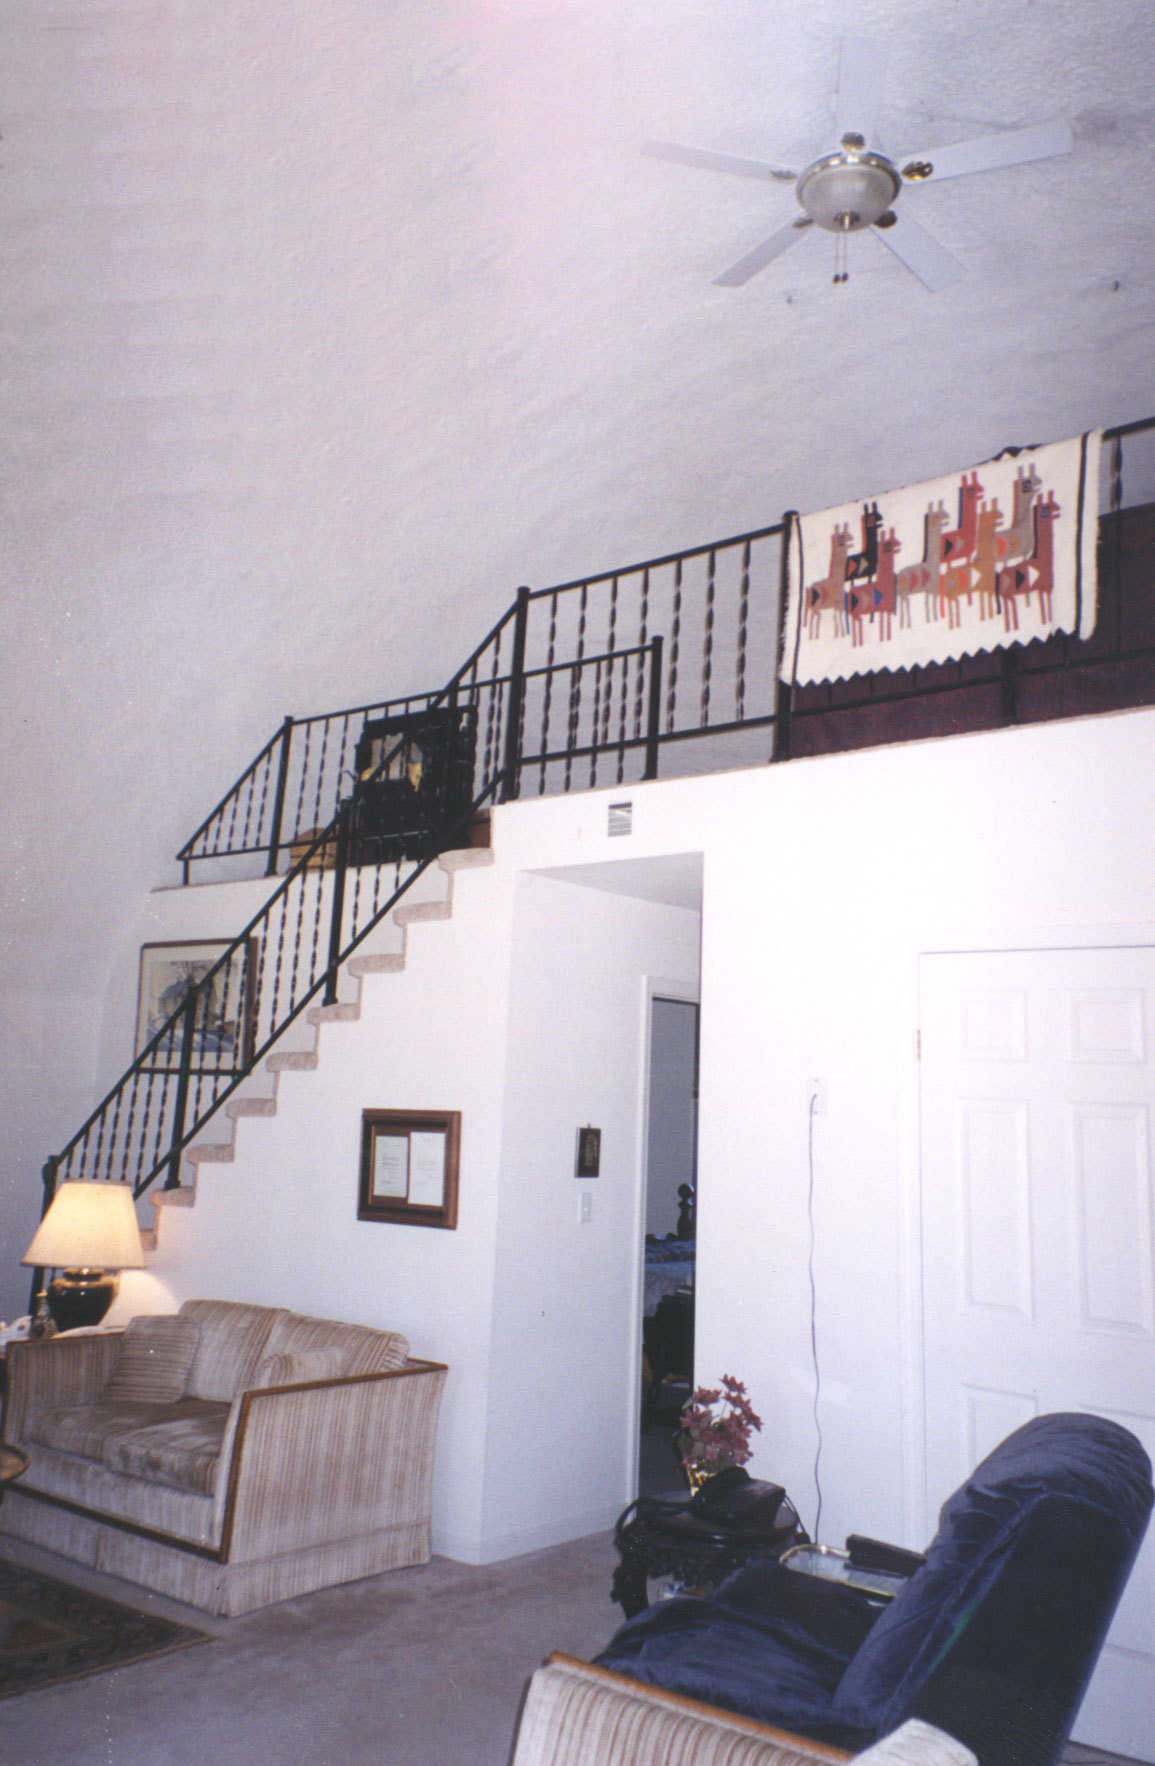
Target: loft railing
572,658
717,609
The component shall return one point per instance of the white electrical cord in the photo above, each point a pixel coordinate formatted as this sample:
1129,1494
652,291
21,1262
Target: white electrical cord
814,1320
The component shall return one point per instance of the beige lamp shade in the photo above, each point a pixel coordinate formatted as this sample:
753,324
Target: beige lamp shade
88,1226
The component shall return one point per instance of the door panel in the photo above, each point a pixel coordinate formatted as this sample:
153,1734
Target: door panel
1037,1088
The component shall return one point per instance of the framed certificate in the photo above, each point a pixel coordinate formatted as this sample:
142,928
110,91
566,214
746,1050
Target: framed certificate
409,1166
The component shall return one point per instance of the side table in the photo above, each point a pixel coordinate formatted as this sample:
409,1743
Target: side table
659,1537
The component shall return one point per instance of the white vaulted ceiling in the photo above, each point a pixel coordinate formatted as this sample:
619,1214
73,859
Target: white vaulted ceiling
326,323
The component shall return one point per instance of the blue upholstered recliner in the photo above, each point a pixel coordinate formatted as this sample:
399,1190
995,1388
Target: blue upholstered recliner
992,1639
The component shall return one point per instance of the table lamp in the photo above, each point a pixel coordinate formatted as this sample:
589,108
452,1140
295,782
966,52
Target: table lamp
88,1236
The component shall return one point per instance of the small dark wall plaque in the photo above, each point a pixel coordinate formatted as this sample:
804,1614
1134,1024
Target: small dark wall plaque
589,1153
409,1166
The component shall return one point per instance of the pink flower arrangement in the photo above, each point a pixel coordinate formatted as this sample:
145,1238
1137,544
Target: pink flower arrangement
715,1427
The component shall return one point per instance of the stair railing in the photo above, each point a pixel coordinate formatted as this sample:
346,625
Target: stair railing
340,887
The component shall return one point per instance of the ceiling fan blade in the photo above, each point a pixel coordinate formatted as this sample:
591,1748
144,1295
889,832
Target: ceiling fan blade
763,254
921,252
702,158
986,153
861,71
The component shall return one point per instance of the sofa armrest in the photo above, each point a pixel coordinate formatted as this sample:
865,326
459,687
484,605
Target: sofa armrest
68,1369
328,1460
576,1714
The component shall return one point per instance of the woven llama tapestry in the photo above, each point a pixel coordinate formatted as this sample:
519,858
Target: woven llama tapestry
984,559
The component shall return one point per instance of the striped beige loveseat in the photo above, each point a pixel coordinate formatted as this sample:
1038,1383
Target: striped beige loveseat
227,1455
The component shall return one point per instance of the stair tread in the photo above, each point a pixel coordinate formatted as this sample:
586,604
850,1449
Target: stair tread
343,1012
409,912
386,963
181,1198
238,1107
466,858
292,1061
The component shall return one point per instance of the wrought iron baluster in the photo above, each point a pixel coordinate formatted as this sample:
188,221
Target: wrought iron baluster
493,721
575,707
595,722
228,826
113,1132
295,935
623,705
743,625
547,691
279,796
176,1141
299,821
256,804
319,818
653,725
130,1129
515,717
643,634
575,702
708,641
675,646
98,1153
314,968
605,729
338,904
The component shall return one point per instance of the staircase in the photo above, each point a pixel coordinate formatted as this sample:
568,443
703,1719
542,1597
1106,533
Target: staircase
257,1099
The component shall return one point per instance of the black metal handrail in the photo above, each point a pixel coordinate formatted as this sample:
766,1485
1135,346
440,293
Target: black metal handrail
338,889
715,606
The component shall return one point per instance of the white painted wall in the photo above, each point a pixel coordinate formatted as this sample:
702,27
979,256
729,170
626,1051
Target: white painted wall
823,882
561,1443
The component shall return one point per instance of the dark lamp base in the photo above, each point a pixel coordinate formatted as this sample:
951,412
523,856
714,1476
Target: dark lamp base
81,1296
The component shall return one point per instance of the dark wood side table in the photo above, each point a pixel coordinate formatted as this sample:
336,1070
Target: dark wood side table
659,1537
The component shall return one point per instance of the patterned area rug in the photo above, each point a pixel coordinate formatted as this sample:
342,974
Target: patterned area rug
50,1632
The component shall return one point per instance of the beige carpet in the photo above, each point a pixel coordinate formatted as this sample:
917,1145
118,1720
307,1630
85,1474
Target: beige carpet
424,1667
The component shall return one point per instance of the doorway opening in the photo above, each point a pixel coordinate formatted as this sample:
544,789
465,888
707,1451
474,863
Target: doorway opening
667,1357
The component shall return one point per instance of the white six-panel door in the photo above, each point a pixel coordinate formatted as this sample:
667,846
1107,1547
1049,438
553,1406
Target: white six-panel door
1037,1086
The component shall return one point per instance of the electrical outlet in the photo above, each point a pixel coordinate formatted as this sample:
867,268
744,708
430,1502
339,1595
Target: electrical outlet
816,1096
585,1208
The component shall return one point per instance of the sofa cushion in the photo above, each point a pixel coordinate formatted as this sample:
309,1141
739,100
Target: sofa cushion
177,1445
307,1364
364,1350
232,1342
155,1359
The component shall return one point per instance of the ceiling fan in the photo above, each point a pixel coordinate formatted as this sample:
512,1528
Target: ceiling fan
856,186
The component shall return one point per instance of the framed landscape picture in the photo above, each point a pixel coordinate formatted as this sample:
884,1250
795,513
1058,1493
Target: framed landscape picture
222,1030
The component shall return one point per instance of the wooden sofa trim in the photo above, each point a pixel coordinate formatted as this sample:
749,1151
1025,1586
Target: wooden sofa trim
220,1554
698,1708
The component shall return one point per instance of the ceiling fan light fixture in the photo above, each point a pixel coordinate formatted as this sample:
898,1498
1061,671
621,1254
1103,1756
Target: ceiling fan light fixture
847,191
